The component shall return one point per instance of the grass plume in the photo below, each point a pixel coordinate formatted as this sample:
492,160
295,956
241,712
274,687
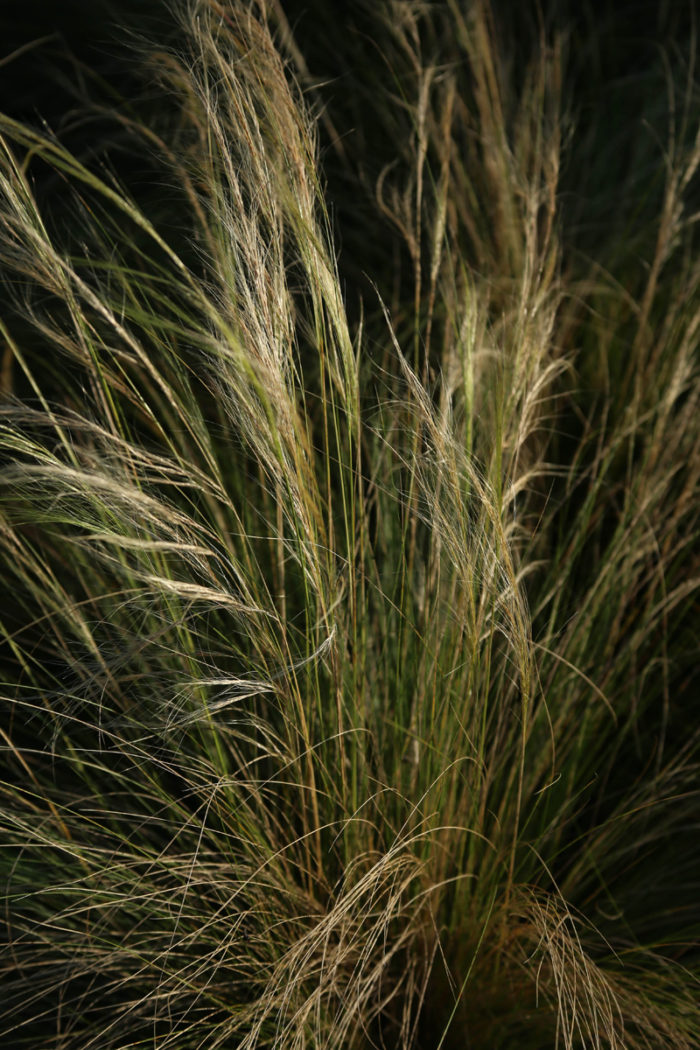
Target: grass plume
348,657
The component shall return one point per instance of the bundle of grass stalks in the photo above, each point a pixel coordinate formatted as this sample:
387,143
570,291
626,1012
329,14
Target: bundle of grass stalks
349,674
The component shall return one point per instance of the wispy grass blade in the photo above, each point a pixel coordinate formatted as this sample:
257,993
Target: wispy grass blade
349,661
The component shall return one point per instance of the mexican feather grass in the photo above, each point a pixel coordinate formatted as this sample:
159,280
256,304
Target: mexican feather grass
349,674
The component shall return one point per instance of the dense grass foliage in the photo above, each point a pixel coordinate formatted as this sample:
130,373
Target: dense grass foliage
349,522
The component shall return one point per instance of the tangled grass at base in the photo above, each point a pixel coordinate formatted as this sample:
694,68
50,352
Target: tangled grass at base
349,675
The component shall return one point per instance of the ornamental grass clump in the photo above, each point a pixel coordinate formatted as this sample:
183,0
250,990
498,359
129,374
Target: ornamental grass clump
349,672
